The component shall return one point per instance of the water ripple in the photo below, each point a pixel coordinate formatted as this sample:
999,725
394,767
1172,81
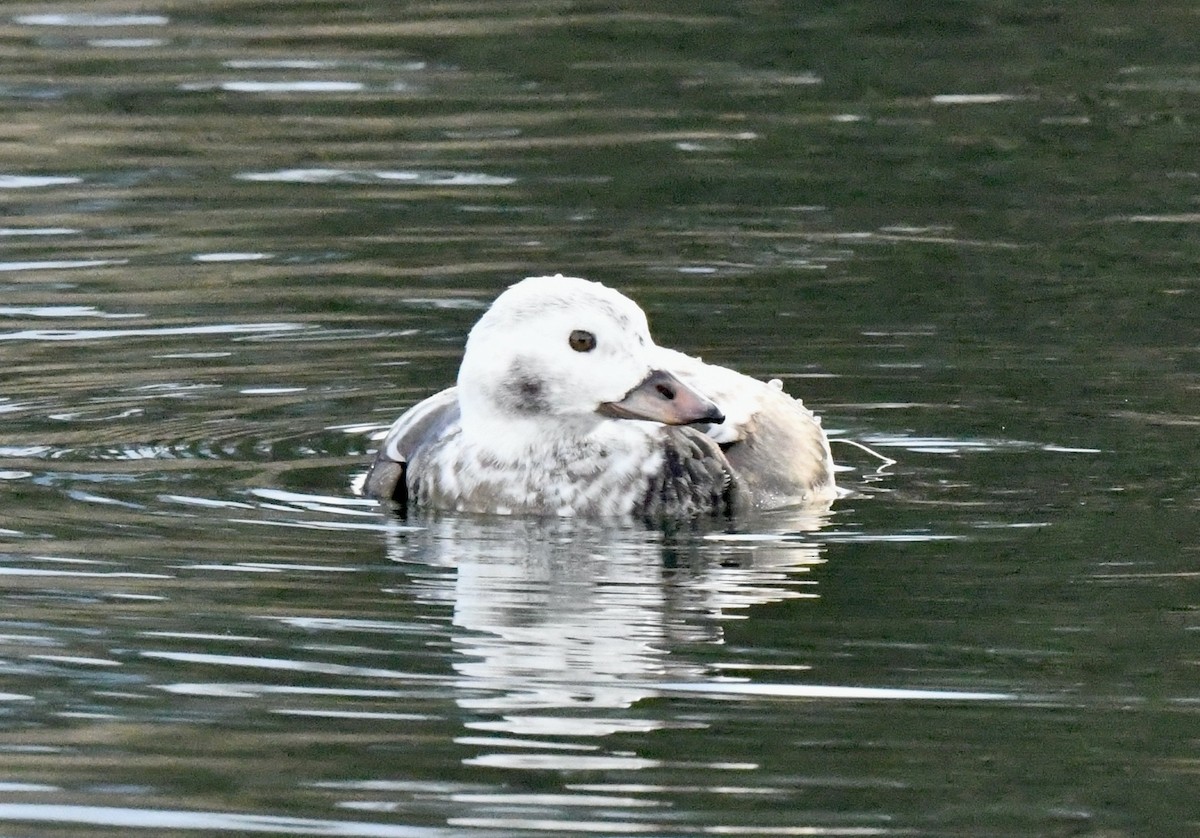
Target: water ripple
404,177
281,664
814,691
38,231
146,818
85,19
159,331
57,264
312,86
36,181
951,445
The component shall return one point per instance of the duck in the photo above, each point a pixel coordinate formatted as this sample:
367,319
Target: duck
565,406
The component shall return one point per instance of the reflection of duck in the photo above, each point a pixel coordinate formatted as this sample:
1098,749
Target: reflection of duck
539,423
592,615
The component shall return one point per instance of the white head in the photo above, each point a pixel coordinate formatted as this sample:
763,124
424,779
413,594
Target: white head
571,350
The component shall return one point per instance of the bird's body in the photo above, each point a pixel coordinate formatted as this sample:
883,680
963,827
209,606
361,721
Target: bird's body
565,406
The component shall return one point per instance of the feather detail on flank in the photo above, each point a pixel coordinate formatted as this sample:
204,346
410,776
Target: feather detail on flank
565,406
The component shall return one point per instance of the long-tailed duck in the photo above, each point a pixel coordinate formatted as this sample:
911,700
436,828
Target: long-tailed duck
565,406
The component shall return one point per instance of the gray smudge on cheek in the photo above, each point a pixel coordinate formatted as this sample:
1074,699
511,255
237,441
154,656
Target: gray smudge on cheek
523,390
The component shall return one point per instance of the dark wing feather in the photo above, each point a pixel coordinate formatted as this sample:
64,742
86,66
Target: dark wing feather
421,425
695,478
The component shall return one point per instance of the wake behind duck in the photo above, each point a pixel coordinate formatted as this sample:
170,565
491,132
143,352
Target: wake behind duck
565,406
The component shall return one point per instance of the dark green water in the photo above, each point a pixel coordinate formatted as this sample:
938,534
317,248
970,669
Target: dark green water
239,238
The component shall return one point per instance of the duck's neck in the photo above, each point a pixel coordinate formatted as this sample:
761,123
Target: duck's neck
515,439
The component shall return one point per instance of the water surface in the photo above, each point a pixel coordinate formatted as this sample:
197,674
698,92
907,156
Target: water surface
237,241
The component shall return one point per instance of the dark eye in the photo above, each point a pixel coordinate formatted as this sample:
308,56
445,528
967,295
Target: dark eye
582,341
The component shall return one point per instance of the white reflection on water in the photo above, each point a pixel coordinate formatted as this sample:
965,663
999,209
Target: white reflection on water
38,231
745,688
312,86
75,574
561,623
62,311
977,98
280,64
952,445
207,821
56,264
563,762
407,178
35,181
161,331
127,43
230,257
279,664
85,19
